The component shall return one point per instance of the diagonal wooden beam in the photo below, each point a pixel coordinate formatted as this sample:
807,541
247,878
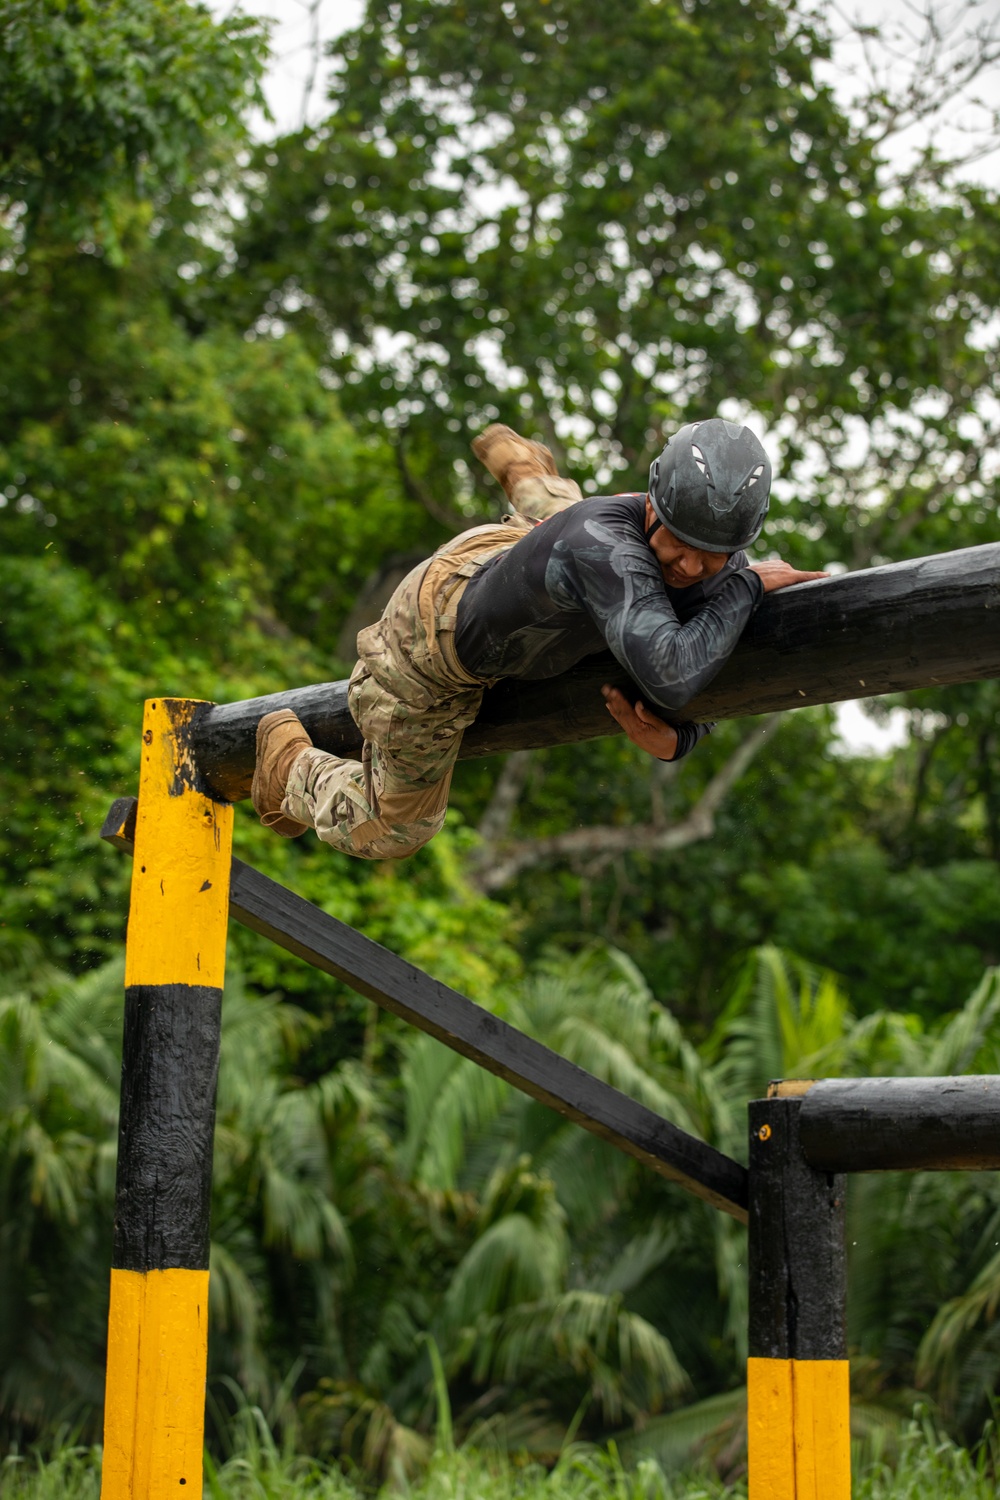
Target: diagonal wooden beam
321,940
916,624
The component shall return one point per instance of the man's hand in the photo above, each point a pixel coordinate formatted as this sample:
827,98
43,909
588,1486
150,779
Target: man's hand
642,727
776,574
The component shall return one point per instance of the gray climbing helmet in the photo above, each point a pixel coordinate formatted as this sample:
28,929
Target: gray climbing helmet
711,484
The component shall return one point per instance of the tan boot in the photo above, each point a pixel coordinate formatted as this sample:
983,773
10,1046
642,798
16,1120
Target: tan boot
542,495
280,741
510,457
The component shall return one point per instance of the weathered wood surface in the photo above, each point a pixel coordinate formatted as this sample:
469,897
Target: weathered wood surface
902,1124
330,945
798,1373
922,623
797,1256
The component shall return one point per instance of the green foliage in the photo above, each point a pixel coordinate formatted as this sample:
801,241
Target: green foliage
100,97
784,1020
59,1060
595,226
928,1468
813,850
180,514
600,225
334,1261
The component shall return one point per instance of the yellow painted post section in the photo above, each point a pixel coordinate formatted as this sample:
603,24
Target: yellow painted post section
180,875
155,1417
799,1429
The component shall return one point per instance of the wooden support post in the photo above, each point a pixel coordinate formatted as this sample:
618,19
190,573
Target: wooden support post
797,1376
175,962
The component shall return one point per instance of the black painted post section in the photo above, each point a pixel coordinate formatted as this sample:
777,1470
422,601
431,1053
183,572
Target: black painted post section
798,1269
798,1384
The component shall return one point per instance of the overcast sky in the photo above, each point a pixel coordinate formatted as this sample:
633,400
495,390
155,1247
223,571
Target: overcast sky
295,89
296,86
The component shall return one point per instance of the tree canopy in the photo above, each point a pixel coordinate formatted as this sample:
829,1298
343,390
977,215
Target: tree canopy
601,225
95,97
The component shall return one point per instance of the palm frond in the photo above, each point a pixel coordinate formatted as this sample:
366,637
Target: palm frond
970,1040
627,1364
234,1308
785,1019
938,1354
448,1098
642,1255
515,1261
614,1061
679,1439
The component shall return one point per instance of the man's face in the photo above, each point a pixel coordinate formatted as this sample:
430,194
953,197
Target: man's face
680,564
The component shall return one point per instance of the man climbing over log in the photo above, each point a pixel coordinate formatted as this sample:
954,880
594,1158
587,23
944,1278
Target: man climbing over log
661,579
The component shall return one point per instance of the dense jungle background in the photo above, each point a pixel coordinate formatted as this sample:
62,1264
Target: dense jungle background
238,383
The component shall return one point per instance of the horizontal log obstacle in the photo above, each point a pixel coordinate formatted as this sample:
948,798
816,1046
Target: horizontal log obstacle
917,624
902,1124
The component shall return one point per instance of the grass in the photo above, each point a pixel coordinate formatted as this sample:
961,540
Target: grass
927,1468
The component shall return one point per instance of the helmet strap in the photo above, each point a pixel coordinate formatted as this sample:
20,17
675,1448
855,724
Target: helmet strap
650,530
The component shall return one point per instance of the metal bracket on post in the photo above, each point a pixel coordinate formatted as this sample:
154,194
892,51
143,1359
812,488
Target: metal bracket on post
798,1374
154,1415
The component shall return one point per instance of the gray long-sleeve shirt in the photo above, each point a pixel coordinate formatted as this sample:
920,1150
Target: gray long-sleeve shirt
586,579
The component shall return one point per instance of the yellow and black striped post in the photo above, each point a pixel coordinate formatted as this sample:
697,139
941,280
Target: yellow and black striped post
797,1375
175,963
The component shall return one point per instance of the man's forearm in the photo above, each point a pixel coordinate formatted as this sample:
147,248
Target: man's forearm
671,663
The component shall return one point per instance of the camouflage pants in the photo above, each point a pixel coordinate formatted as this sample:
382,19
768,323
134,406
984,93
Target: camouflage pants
412,700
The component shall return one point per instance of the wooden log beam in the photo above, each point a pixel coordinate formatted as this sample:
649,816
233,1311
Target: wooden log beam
917,624
332,946
902,1124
